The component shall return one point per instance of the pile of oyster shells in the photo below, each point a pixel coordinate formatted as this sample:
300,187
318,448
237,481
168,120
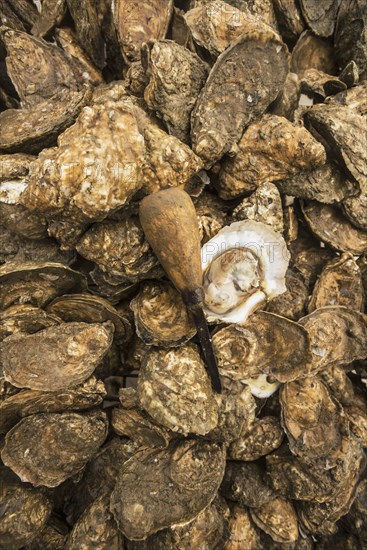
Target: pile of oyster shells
112,436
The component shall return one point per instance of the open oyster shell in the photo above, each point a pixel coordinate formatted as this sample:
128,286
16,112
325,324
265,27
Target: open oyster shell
244,265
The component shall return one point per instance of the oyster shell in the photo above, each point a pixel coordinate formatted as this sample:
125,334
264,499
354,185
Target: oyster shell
27,402
158,489
175,78
52,13
263,437
231,99
47,448
87,308
350,35
24,318
25,512
266,345
312,420
270,150
174,388
320,18
161,317
338,336
31,130
73,351
246,484
329,224
313,52
120,250
339,284
243,533
263,205
138,22
87,26
136,425
36,283
96,528
289,19
291,304
244,265
278,519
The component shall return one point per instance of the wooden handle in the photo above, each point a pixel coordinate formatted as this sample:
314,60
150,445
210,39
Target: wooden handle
170,225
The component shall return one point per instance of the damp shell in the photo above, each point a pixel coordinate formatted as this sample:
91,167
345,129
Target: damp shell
181,481
291,304
175,390
73,352
278,519
246,484
47,448
25,318
244,265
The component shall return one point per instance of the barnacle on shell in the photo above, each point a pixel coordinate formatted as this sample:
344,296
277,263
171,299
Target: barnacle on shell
244,265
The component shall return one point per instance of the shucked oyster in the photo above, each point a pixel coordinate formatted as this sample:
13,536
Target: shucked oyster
244,265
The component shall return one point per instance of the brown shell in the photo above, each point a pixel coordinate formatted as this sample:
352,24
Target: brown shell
320,18
289,18
57,357
311,419
120,249
175,78
49,73
338,383
325,183
27,402
161,317
236,411
52,13
350,35
265,344
232,99
243,533
138,22
321,84
25,512
345,133
157,489
278,519
263,437
272,149
216,25
95,528
246,484
99,476
36,283
90,309
25,318
291,304
22,222
313,52
354,98
47,448
211,215
136,425
263,205
338,336
28,250
329,225
67,40
357,519
175,390
355,209
340,284
31,130
309,258
49,539
297,480
85,16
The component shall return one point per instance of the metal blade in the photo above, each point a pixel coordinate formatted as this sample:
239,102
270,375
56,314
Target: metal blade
206,346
